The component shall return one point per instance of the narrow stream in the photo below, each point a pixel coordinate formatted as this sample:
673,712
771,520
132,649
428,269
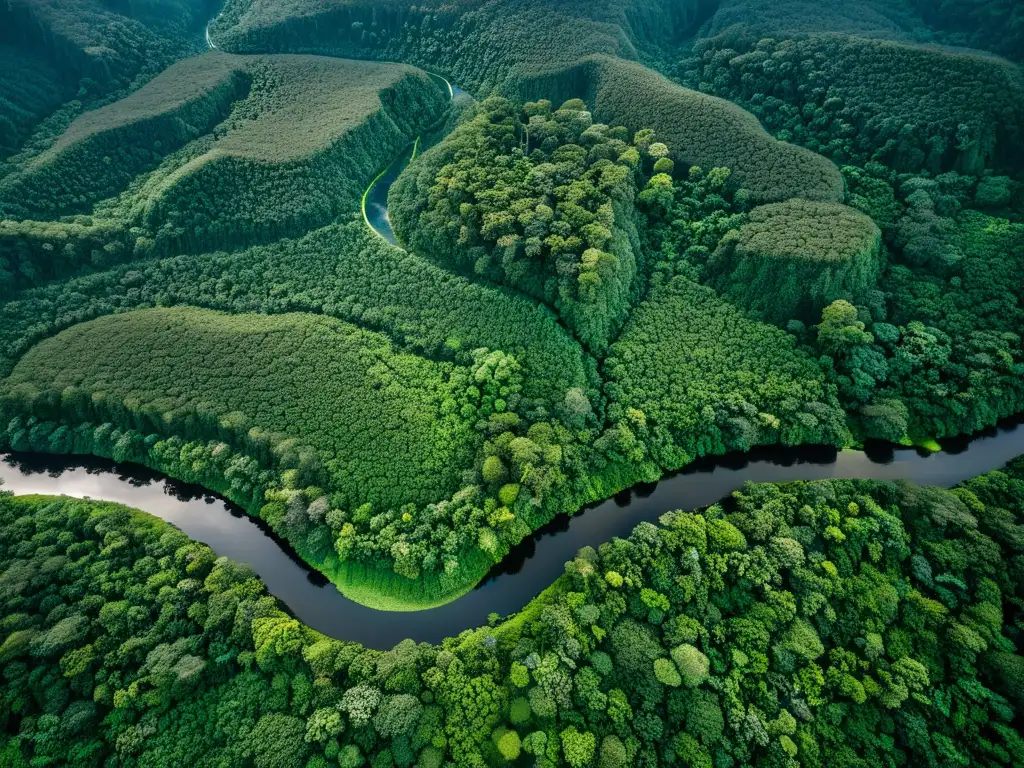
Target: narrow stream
375,200
531,567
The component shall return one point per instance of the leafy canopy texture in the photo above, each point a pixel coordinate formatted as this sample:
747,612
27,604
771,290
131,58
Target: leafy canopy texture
825,623
541,201
788,260
382,425
683,398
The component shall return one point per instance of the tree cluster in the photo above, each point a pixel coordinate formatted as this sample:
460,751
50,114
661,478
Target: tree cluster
879,19
103,150
788,260
343,271
102,45
34,252
991,25
852,99
938,351
572,50
295,154
386,428
691,376
479,44
221,150
833,623
540,200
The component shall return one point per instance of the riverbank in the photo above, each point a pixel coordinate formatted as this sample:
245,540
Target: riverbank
529,569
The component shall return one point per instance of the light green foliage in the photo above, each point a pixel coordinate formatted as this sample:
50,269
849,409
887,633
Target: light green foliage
577,747
687,398
858,630
508,744
788,260
693,665
398,715
541,201
331,394
613,753
519,676
277,742
666,673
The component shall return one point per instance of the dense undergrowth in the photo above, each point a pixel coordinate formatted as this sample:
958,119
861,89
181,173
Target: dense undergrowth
217,151
836,623
307,384
911,107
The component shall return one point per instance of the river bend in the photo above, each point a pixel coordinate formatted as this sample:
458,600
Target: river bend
531,566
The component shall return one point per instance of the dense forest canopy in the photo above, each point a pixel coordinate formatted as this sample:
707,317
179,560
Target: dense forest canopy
631,234
608,273
812,624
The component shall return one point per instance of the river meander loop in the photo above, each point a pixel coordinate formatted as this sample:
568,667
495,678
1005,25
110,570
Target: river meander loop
529,568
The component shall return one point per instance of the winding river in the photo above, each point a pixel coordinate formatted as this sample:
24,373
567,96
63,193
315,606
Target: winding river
531,567
375,199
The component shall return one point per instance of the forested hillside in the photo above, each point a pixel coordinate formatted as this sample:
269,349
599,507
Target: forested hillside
632,235
216,151
302,385
814,624
60,56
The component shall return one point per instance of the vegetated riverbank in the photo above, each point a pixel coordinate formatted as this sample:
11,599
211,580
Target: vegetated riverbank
375,198
511,585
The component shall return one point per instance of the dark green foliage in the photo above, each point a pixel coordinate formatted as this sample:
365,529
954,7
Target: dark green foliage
835,622
912,107
823,624
682,398
32,252
958,361
788,260
103,150
701,130
542,202
883,19
479,43
992,25
29,89
296,141
344,271
549,53
299,151
943,354
385,427
104,45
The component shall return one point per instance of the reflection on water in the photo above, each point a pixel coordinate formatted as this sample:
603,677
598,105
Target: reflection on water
376,205
531,566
